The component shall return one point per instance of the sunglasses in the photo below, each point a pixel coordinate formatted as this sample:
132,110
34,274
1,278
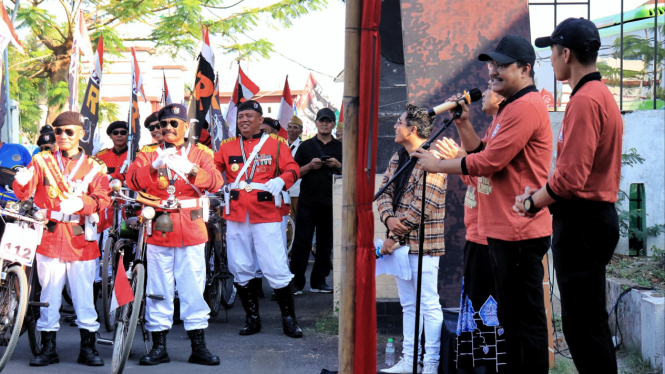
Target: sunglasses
172,122
59,131
119,132
154,127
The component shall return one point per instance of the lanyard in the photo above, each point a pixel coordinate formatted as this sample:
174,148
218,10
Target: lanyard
249,178
69,176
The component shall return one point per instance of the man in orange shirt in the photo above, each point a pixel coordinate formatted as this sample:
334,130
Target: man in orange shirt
259,167
581,193
182,170
514,154
71,187
152,124
116,156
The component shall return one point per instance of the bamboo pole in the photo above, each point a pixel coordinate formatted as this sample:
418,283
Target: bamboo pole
347,308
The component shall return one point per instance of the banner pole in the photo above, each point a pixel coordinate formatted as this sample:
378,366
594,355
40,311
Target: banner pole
9,99
347,310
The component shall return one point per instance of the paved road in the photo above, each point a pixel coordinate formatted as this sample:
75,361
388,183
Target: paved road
267,352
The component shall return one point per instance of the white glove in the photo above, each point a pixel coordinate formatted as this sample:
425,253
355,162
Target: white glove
161,158
24,175
275,185
71,205
179,163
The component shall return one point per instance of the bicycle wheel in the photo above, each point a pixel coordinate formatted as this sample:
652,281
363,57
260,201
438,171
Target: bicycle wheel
213,291
108,261
290,234
33,314
123,338
13,304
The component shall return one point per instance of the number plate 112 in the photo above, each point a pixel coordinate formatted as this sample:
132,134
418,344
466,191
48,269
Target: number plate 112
19,244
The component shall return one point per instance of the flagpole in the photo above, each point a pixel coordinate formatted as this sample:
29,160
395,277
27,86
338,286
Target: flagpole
347,310
6,58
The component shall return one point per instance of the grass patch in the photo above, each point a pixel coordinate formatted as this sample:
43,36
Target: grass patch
327,323
563,365
646,271
636,364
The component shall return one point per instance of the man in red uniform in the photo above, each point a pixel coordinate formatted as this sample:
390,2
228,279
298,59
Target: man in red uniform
70,187
116,156
581,193
177,168
152,124
261,167
514,154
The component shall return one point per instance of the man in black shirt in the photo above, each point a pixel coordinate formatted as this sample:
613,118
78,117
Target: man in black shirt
319,158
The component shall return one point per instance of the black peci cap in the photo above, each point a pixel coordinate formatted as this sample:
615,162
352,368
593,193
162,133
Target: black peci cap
250,105
46,136
68,118
326,113
116,125
271,122
575,33
510,49
173,111
150,119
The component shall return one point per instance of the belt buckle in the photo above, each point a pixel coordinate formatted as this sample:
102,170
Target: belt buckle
248,187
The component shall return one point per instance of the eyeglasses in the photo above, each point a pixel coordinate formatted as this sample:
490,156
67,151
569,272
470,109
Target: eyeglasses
59,131
154,127
498,66
119,132
172,122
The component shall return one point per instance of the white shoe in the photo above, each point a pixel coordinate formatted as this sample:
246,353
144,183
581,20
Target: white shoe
404,366
431,369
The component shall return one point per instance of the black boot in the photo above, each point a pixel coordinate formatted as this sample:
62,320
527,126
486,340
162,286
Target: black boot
158,354
48,355
88,354
285,299
201,354
250,302
258,284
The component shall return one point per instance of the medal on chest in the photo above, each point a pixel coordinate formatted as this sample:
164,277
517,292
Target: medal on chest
235,167
163,181
52,193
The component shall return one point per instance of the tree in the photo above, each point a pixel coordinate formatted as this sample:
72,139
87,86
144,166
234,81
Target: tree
40,76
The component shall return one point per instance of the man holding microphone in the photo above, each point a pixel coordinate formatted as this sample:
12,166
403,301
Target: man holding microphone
581,194
514,154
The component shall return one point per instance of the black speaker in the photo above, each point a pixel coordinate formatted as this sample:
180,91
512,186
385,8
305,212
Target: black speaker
390,30
448,341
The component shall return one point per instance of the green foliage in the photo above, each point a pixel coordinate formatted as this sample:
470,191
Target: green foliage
175,29
327,323
108,112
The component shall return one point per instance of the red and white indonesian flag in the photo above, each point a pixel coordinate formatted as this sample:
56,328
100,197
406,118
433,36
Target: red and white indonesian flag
285,109
137,78
7,33
167,95
206,49
244,90
80,44
122,291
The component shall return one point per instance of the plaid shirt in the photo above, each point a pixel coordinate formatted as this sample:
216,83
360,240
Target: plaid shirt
410,204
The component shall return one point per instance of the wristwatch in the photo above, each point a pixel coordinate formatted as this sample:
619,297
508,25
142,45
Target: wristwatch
192,173
529,206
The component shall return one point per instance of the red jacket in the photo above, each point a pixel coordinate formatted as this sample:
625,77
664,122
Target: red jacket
186,230
260,206
59,241
113,161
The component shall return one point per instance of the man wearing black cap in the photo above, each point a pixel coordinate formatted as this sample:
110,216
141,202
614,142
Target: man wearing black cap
152,124
581,193
71,187
514,154
270,126
175,252
116,156
258,168
319,158
46,140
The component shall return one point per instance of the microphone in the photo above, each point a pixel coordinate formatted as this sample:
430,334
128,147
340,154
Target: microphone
469,97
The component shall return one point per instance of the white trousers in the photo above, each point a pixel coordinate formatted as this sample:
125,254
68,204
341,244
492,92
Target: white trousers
285,224
249,243
166,267
53,274
430,309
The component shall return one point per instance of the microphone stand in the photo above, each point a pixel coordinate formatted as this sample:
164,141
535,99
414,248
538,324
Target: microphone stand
421,233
